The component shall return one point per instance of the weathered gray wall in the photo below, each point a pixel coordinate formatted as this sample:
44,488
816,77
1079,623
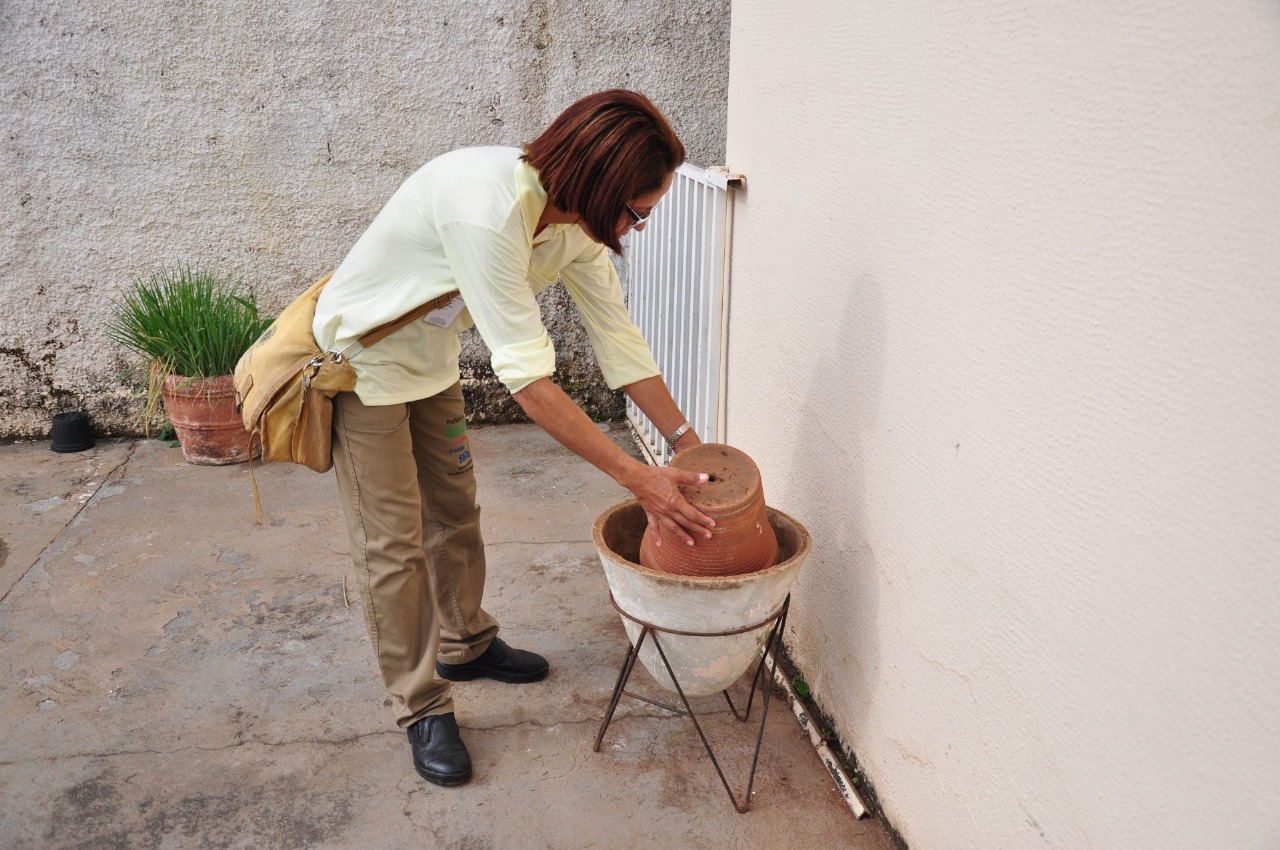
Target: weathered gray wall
262,138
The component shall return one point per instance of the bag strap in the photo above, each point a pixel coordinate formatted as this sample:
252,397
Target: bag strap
386,329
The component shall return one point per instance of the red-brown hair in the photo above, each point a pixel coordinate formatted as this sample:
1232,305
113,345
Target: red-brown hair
603,151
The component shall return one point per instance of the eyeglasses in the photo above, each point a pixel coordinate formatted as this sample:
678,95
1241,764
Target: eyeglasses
638,219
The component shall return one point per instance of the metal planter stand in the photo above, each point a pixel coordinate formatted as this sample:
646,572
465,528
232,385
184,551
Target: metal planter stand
772,648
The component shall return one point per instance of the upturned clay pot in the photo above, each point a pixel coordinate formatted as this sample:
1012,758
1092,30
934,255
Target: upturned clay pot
742,540
203,412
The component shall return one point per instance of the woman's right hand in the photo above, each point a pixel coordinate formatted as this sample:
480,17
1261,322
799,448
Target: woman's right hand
672,518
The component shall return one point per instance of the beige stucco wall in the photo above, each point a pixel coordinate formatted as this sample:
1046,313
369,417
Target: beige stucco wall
261,138
1005,334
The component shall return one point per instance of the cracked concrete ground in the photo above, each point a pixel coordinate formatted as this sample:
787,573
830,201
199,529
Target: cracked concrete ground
174,675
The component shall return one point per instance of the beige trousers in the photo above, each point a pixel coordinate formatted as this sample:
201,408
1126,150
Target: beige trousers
409,494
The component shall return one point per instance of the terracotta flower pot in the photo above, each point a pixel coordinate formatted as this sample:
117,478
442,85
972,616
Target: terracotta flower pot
203,412
742,541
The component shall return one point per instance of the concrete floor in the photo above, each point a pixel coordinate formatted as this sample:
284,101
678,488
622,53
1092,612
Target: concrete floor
173,675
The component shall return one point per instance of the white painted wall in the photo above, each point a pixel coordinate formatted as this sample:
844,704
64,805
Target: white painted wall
1005,335
262,138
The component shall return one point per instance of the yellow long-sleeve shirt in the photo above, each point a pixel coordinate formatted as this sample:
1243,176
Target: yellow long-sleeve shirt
465,221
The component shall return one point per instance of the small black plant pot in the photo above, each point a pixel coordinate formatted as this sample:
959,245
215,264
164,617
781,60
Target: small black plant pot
71,432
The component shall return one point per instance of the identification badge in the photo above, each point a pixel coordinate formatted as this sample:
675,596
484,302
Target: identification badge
444,316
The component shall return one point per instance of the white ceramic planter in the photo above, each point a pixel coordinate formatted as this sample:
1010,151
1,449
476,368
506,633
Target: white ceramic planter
703,665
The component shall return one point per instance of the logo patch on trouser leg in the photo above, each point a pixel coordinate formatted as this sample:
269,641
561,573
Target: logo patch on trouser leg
456,430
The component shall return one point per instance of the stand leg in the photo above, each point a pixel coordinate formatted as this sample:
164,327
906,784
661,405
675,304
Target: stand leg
624,674
775,635
774,647
745,805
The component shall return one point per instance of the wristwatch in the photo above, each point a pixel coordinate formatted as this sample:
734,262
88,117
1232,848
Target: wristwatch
675,435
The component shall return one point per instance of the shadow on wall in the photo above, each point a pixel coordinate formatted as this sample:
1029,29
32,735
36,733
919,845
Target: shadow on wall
838,644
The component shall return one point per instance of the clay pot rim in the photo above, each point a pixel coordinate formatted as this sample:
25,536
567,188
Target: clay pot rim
712,582
193,386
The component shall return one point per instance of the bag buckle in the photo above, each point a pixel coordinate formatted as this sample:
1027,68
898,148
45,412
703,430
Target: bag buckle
310,371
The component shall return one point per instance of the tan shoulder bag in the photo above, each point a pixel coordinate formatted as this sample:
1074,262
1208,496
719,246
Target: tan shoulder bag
285,384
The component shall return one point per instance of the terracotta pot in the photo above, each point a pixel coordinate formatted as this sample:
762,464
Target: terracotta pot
742,540
203,412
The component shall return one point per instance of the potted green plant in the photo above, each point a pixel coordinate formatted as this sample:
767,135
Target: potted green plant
190,325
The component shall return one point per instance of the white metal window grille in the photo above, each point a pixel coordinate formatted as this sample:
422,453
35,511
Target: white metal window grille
677,270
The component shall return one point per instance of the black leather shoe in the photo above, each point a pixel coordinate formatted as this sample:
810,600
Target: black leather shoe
499,662
439,755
